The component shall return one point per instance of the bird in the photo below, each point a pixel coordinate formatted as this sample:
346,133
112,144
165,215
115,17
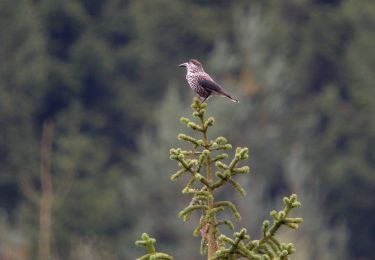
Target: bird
201,83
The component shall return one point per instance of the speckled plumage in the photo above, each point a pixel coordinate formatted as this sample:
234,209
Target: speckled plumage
201,82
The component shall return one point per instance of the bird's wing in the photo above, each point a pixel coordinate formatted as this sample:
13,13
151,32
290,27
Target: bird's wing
211,85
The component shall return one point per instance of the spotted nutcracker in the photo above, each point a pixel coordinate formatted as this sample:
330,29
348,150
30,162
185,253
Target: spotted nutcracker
201,82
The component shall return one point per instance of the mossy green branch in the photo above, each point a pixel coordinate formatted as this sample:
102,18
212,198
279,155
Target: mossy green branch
186,212
268,247
231,170
226,222
236,249
280,218
148,242
231,206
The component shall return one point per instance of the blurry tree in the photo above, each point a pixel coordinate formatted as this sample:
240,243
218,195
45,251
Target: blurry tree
22,79
346,126
312,60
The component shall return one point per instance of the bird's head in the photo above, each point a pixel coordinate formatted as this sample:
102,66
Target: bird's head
192,66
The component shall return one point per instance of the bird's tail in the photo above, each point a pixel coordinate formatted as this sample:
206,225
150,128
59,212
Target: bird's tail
231,98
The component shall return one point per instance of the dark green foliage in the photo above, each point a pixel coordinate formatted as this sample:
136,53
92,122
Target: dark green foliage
329,67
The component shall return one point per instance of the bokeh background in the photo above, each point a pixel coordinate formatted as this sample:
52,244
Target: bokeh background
98,81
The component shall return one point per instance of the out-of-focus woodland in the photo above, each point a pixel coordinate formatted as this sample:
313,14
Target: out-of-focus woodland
90,97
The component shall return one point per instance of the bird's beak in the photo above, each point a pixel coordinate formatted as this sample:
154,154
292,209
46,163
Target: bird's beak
183,65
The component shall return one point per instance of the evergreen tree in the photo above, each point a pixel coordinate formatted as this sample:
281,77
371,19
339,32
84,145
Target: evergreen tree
203,185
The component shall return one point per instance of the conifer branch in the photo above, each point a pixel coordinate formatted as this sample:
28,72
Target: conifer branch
226,222
148,242
280,218
231,206
186,212
268,247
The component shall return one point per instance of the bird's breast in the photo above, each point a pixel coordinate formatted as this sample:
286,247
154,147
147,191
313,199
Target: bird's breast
192,79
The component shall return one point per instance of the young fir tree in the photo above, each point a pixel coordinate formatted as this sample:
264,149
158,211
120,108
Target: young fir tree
208,172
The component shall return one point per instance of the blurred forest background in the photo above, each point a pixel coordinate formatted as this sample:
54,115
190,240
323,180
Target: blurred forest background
98,81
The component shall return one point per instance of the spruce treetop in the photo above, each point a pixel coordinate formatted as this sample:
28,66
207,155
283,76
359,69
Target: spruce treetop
208,170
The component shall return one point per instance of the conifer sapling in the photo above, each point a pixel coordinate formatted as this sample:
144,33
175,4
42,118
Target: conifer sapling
208,170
